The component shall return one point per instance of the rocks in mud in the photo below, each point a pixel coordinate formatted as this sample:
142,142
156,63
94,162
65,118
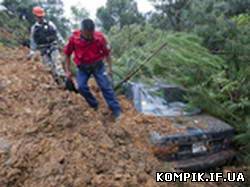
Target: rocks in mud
54,139
4,146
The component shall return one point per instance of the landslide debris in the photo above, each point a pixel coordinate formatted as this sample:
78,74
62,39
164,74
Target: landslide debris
50,137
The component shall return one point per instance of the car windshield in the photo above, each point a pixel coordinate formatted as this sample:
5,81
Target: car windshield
154,100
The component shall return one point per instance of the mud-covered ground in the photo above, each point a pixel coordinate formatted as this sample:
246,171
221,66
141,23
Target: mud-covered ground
50,137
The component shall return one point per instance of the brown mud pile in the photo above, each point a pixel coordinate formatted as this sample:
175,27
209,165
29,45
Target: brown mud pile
50,137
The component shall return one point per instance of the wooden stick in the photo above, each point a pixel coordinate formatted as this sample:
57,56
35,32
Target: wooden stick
133,72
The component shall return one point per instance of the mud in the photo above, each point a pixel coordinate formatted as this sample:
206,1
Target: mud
50,137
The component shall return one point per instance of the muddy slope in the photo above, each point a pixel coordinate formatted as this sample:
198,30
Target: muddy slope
49,137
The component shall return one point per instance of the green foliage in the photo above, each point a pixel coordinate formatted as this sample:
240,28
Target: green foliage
242,19
15,22
184,60
220,85
78,14
21,9
243,139
224,28
170,12
119,13
184,15
12,32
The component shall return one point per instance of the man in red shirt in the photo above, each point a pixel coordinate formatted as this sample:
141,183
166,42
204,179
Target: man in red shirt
90,48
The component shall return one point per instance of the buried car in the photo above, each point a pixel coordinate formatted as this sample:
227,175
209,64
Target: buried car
205,142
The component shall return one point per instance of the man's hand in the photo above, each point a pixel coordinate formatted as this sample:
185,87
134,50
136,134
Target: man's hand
69,75
67,68
61,48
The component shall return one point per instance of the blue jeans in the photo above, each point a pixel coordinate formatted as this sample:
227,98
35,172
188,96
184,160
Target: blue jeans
99,73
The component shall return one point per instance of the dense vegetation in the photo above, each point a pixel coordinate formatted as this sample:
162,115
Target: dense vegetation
11,31
184,60
207,52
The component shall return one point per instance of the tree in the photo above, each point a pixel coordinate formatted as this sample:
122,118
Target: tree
22,9
20,18
119,13
78,14
184,15
170,12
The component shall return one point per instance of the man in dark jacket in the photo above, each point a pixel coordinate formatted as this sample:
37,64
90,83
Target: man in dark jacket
90,49
45,37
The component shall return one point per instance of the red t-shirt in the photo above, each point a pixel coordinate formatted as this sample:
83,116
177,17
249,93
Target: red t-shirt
87,52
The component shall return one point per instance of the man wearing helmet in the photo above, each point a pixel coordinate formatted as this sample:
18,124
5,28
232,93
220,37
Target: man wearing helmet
45,37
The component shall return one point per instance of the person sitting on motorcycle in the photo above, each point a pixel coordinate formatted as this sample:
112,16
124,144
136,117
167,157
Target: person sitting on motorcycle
46,38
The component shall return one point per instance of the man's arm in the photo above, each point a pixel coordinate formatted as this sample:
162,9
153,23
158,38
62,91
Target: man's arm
59,36
68,50
33,44
68,66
